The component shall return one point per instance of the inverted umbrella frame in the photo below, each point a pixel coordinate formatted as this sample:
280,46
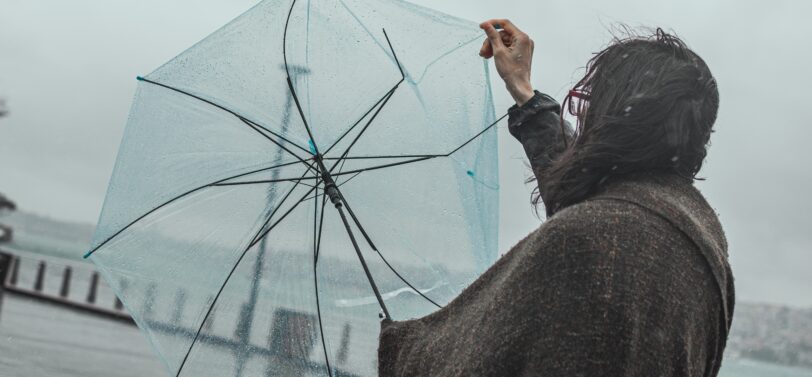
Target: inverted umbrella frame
316,163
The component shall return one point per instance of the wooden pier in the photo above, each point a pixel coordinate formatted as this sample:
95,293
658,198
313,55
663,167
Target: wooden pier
289,324
10,271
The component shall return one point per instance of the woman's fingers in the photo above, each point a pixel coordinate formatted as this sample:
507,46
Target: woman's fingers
508,26
486,51
508,35
494,37
507,39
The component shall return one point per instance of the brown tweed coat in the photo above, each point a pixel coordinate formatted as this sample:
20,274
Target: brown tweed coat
633,281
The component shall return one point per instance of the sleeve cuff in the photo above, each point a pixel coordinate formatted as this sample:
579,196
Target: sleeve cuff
518,115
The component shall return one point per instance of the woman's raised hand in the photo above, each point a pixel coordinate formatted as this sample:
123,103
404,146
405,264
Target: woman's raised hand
512,51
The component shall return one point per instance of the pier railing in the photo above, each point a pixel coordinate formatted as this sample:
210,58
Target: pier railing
79,288
62,295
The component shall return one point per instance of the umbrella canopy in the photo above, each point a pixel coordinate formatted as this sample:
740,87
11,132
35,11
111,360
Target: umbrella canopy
304,169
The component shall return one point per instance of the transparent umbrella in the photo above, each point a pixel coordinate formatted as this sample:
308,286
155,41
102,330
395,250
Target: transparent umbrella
302,172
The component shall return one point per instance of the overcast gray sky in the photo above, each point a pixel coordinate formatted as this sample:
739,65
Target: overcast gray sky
67,70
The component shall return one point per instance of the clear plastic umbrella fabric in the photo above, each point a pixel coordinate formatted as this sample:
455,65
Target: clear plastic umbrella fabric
287,179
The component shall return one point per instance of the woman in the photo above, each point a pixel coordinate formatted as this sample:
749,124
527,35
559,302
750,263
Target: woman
629,274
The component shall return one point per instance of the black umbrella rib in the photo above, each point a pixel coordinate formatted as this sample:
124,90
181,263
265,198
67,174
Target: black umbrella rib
321,224
366,126
383,104
254,126
357,122
256,238
418,158
372,245
318,223
477,135
380,157
290,82
394,55
338,185
301,114
281,202
215,183
315,178
427,157
300,201
376,167
232,112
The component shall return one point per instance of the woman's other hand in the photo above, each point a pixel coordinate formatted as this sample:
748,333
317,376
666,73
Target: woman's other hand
512,51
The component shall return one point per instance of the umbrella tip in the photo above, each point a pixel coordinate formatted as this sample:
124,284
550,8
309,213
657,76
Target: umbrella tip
87,254
470,173
139,78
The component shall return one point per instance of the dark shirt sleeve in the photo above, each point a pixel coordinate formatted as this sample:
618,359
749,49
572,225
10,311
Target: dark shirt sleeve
537,125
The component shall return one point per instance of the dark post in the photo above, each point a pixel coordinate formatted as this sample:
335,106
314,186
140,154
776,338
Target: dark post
343,349
210,321
180,302
94,286
5,263
149,301
40,282
65,289
122,288
15,271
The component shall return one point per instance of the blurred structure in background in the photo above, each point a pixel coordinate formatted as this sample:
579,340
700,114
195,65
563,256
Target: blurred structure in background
5,206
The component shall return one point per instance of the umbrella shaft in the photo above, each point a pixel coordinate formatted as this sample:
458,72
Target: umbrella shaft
363,262
331,190
330,187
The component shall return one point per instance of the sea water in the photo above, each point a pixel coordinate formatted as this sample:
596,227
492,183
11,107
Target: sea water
41,340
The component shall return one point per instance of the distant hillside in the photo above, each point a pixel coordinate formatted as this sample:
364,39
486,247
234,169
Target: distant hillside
772,333
48,236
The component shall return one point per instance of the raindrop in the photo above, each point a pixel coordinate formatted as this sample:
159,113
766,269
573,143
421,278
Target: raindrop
627,111
624,56
614,167
674,159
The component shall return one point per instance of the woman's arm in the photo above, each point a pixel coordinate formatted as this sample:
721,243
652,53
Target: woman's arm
535,119
537,125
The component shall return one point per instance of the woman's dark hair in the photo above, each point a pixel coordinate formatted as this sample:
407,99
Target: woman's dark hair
652,105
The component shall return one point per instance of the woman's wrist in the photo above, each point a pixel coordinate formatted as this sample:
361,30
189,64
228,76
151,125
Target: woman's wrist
521,91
